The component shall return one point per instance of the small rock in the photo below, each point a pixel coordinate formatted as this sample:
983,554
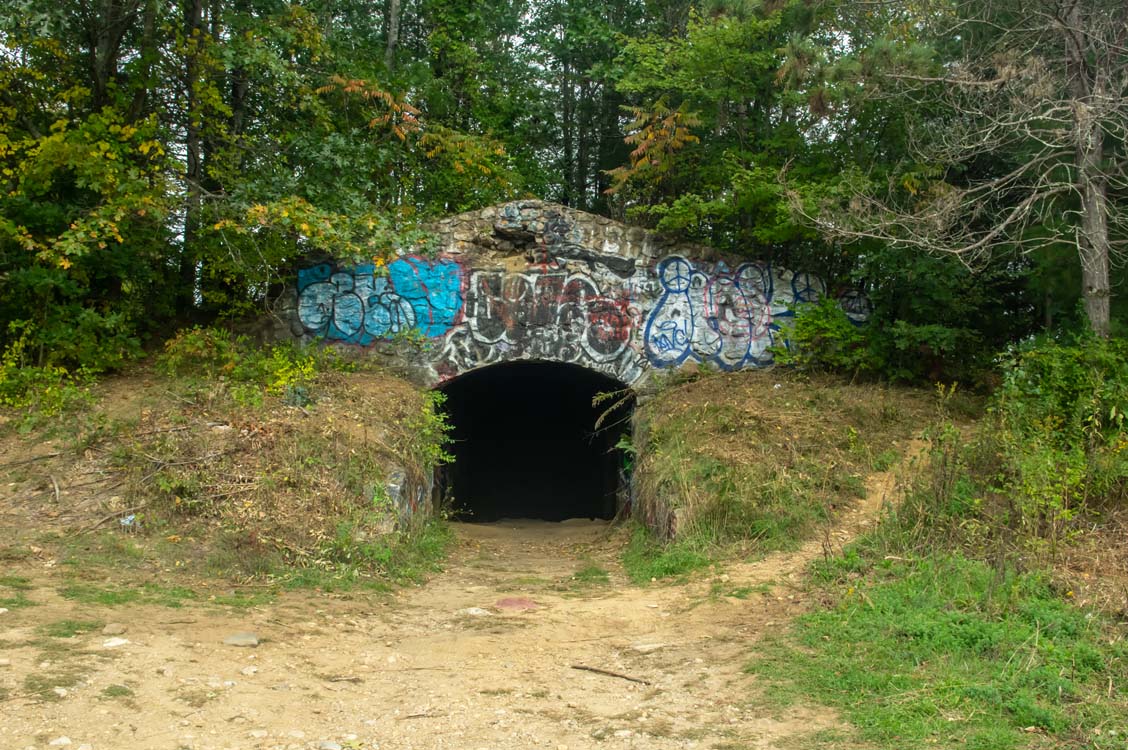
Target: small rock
114,628
327,745
622,733
3,611
85,746
647,648
258,734
248,671
114,642
5,662
297,734
60,742
59,691
249,640
474,612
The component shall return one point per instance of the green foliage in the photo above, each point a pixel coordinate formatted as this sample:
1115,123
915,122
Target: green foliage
282,370
429,429
944,651
355,555
822,338
39,393
1059,430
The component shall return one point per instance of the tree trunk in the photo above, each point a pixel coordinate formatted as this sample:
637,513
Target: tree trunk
393,35
586,122
148,52
1087,87
193,32
568,96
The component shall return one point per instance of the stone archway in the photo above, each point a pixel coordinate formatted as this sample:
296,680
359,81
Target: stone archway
530,280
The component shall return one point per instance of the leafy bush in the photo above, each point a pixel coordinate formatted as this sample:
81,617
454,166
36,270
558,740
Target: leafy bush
823,338
39,391
282,370
1059,431
1050,454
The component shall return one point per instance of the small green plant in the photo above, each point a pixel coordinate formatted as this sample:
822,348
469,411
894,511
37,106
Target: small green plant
286,370
117,691
429,429
40,392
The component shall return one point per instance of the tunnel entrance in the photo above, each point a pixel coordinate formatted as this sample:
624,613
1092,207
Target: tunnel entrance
525,443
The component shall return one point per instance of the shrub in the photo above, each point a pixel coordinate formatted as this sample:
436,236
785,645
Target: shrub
823,338
282,370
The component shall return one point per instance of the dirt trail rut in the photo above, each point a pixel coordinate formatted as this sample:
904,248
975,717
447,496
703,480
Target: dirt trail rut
482,656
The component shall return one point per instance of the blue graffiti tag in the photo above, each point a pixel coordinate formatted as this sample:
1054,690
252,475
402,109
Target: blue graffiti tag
356,306
433,290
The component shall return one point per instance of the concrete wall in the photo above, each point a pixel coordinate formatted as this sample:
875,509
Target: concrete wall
538,281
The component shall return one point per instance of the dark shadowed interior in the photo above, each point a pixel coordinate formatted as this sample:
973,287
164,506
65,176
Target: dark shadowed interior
526,446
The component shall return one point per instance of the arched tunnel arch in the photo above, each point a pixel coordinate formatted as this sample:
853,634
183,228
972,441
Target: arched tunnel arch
526,442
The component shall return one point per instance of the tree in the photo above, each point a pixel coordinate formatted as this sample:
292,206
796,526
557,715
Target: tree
1018,144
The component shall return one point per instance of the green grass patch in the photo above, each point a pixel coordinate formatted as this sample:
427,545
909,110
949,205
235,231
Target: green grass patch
747,463
117,691
947,652
70,628
113,596
353,561
13,592
646,559
16,602
42,684
591,575
19,583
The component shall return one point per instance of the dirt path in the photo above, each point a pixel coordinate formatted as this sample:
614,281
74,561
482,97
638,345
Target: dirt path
451,664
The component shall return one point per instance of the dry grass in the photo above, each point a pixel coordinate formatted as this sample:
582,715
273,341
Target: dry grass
1094,567
765,453
213,484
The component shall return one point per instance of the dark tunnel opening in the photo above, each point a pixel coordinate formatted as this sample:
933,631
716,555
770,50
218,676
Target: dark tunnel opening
525,443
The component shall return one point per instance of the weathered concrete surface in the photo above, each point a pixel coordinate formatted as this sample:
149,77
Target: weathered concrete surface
530,280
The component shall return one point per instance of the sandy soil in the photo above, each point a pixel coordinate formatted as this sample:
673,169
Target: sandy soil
482,656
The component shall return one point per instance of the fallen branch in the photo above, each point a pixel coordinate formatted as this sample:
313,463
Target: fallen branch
30,460
167,429
609,673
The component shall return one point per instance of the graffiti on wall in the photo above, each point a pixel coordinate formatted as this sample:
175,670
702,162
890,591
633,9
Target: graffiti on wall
358,306
549,313
675,311
719,315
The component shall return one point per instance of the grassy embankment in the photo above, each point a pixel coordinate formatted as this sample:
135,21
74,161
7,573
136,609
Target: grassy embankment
220,463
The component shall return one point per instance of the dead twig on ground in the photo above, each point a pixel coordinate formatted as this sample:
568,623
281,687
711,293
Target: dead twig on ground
609,673
31,460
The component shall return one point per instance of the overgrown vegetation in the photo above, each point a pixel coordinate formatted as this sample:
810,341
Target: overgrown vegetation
962,621
277,465
755,461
